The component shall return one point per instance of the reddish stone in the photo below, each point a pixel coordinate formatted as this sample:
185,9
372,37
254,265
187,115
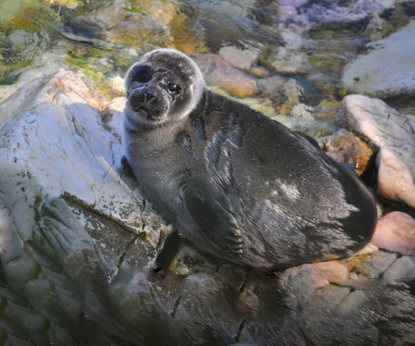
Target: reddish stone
346,147
396,232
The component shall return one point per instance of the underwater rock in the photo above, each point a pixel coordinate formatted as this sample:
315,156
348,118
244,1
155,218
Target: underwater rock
265,106
396,232
393,133
388,69
340,15
136,22
236,16
271,86
290,61
292,90
302,111
242,59
259,71
351,302
386,3
220,73
314,128
25,46
330,295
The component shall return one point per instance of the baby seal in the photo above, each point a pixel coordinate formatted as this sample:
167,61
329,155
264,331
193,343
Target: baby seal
235,183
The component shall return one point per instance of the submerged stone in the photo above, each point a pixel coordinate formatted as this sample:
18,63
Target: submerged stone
290,61
220,73
242,59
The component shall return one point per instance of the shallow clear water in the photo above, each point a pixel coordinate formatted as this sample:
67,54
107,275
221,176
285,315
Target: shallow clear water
102,38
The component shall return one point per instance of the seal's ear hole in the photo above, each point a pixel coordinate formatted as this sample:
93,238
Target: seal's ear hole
141,75
174,88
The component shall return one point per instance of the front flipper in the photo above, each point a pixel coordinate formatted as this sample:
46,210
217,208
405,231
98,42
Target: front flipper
126,168
213,216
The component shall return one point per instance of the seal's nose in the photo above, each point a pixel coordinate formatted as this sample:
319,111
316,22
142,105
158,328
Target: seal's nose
149,96
140,98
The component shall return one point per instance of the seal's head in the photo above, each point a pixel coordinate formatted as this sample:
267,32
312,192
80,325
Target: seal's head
164,86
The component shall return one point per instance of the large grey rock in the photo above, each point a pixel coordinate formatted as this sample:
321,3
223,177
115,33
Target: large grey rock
393,133
54,143
388,69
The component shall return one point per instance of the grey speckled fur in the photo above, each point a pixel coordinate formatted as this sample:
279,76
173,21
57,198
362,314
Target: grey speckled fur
237,184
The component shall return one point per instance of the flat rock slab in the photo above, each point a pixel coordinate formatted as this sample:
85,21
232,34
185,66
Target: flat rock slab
54,143
54,146
394,134
388,69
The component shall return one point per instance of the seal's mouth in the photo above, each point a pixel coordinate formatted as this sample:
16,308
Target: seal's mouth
150,116
147,105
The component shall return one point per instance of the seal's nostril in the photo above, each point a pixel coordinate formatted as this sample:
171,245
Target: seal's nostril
142,97
149,96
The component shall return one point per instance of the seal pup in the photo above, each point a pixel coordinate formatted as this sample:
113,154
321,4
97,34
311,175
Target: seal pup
235,183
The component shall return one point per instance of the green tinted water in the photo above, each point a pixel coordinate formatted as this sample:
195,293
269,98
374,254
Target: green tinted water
102,38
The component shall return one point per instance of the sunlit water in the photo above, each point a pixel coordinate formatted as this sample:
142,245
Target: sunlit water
332,35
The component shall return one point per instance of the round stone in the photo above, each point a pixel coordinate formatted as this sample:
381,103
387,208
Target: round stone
396,232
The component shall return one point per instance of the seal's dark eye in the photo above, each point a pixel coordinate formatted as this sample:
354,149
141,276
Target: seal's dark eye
141,76
174,88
